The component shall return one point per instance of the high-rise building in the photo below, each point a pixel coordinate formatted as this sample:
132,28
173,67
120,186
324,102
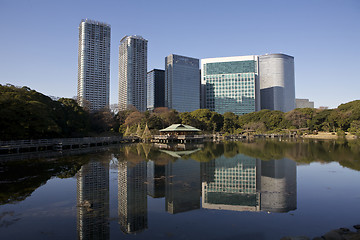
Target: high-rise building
93,64
304,103
132,72
278,185
231,84
132,198
182,186
243,183
277,82
155,179
231,184
155,89
93,201
182,83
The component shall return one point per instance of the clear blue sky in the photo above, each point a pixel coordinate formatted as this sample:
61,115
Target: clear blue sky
39,39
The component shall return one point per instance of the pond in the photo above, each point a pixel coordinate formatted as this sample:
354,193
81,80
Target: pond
232,190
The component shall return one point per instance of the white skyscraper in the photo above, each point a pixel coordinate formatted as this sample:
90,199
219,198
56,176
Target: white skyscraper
132,72
94,64
182,83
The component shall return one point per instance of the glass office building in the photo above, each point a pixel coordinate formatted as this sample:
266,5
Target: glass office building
233,185
155,89
231,84
182,83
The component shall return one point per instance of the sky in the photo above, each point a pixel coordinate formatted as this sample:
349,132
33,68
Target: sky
39,39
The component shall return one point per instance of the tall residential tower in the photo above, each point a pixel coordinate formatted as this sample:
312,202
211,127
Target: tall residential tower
132,73
93,64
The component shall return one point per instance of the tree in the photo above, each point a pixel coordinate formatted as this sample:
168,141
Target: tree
127,132
133,118
102,121
230,122
139,131
146,134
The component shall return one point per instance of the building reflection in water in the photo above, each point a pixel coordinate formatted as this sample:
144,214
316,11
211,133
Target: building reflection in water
243,183
155,179
240,183
182,192
234,185
132,196
93,201
278,185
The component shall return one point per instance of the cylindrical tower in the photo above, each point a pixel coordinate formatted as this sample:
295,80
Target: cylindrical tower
277,82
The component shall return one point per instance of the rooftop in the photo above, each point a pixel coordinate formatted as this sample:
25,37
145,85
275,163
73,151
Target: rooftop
180,128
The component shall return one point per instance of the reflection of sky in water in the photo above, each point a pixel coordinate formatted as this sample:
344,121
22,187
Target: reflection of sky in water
326,197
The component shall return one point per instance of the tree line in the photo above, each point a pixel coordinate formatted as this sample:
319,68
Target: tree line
28,114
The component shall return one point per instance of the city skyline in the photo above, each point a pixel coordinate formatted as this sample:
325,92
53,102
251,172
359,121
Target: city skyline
325,47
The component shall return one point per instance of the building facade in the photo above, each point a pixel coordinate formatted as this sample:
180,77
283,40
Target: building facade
93,189
182,186
155,89
277,82
231,84
304,103
233,185
182,83
94,65
132,197
243,183
132,73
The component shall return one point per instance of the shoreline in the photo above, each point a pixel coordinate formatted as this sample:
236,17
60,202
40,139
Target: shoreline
329,135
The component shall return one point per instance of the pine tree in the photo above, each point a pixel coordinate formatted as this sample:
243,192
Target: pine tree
146,134
127,132
138,131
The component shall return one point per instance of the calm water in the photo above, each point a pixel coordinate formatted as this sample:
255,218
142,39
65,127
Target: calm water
236,190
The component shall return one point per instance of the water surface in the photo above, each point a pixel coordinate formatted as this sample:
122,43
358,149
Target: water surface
235,190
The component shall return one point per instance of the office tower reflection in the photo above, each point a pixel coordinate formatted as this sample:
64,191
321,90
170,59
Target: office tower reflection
93,201
132,198
243,183
155,179
182,191
233,186
278,185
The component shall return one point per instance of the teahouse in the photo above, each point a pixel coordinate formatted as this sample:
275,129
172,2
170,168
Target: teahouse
178,133
179,129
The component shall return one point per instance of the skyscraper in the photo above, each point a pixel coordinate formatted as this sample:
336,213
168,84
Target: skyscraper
132,198
182,186
231,184
278,185
277,82
132,72
182,83
93,201
93,64
231,84
155,89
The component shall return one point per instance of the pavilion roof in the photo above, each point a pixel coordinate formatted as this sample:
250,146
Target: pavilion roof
180,128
